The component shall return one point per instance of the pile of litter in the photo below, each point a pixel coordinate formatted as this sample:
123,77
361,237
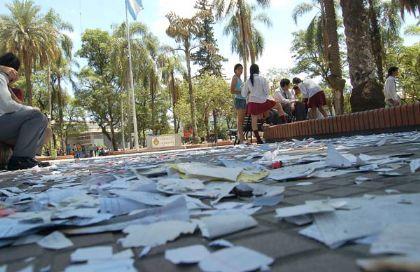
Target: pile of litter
157,198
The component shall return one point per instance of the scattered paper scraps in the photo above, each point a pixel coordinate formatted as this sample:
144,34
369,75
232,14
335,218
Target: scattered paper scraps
238,259
187,255
55,240
219,225
155,234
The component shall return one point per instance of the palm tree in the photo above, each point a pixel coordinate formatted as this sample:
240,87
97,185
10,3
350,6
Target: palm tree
61,65
324,24
238,9
30,35
184,30
332,48
144,47
169,66
255,48
367,92
411,6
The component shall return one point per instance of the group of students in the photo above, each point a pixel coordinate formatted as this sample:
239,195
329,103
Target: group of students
253,98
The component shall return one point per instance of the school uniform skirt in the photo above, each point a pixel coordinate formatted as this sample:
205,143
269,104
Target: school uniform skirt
259,108
318,100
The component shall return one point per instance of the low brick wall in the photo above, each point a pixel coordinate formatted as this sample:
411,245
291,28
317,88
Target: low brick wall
379,120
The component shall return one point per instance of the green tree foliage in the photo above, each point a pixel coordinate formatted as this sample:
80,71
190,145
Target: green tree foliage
31,35
211,95
99,92
207,56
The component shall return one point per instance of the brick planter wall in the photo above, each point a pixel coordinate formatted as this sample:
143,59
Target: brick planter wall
379,120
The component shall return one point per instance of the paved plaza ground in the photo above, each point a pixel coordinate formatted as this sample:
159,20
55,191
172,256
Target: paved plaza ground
291,251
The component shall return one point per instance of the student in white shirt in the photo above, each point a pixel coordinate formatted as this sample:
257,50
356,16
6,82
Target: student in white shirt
22,125
390,88
256,91
314,95
285,96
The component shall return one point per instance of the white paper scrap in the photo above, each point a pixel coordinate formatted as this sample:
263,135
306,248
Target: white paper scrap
155,234
304,209
398,239
414,165
106,265
55,240
335,159
91,253
145,251
219,225
213,172
186,255
238,259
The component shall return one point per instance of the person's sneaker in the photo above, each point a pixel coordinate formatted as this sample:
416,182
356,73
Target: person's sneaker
40,163
20,163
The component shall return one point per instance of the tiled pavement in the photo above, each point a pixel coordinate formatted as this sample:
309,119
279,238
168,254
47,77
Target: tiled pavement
278,239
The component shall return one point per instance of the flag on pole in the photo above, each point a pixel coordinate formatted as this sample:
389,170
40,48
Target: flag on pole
134,7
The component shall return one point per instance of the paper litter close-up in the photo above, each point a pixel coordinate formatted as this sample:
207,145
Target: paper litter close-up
341,204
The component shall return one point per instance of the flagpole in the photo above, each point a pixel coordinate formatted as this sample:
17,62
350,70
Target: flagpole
133,100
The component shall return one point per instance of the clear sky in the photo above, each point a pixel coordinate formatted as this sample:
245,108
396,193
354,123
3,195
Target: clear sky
84,14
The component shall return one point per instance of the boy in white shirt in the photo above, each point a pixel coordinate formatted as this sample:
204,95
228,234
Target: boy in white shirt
286,97
392,99
314,95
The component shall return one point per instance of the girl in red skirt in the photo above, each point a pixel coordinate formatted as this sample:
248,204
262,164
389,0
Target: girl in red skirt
256,91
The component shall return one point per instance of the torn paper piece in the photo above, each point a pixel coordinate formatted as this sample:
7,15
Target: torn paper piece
381,142
304,209
335,159
179,186
176,210
398,239
307,183
55,240
119,205
218,225
81,213
155,234
300,220
414,165
207,171
329,173
186,255
221,243
291,172
344,225
409,263
111,265
238,259
91,253
145,251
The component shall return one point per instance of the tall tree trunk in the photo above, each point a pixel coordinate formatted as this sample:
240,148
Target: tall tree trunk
174,99
376,39
215,127
60,110
206,123
28,78
240,19
153,102
111,125
367,92
335,79
191,92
